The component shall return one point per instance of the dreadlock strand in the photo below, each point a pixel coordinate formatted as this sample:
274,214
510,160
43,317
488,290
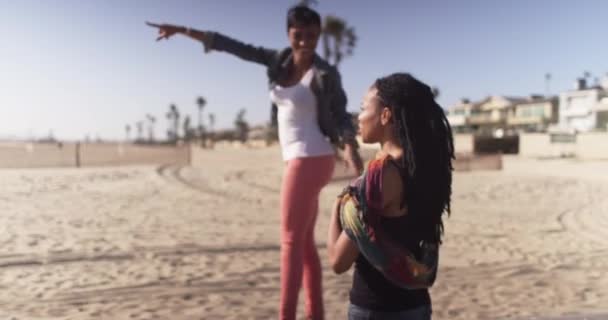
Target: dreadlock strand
422,129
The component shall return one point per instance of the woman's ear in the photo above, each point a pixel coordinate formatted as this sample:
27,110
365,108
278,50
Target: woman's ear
386,116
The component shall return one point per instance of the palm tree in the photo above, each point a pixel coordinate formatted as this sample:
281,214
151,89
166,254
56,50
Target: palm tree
201,102
339,39
173,117
242,127
588,75
210,136
187,129
547,84
151,121
140,130
169,116
211,121
128,132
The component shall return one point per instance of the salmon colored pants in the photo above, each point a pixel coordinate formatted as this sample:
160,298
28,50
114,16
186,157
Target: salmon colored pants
303,180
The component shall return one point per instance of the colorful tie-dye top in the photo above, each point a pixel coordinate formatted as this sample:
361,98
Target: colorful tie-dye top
360,214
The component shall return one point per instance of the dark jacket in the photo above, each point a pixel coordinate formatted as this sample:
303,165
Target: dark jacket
334,121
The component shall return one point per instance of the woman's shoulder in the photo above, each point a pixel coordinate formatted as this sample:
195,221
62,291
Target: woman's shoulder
384,179
384,161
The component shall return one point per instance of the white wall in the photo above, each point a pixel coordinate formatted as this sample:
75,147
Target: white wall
576,109
33,155
538,145
588,146
463,143
592,146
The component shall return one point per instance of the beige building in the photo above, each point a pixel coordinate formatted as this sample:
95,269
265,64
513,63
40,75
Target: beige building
583,109
459,114
486,117
534,115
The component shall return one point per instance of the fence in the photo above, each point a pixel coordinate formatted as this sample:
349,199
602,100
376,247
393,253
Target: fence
489,145
38,155
585,146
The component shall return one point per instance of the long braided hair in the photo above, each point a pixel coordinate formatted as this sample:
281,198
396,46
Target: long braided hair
425,135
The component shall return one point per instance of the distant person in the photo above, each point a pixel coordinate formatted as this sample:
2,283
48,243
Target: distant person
388,222
309,106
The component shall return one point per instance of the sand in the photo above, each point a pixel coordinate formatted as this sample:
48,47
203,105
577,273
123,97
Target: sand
202,242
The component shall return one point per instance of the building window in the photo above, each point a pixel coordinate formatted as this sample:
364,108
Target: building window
531,111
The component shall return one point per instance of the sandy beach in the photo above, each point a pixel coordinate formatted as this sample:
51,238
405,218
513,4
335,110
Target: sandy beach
202,242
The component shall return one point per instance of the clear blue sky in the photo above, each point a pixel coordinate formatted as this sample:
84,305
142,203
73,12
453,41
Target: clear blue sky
90,67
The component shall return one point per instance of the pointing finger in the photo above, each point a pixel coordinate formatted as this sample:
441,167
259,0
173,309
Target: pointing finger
156,25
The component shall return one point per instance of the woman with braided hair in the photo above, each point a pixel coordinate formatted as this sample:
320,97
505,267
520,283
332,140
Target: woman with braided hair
388,222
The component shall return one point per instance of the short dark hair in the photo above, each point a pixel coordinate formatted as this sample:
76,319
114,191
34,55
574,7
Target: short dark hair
303,16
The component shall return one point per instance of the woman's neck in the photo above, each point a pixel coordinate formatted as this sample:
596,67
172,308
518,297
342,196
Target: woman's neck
302,64
392,148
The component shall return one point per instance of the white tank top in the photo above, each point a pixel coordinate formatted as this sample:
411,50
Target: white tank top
299,133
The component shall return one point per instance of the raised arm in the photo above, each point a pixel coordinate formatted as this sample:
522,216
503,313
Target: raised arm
216,41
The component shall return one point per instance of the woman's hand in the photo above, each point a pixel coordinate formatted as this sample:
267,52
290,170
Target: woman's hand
165,31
